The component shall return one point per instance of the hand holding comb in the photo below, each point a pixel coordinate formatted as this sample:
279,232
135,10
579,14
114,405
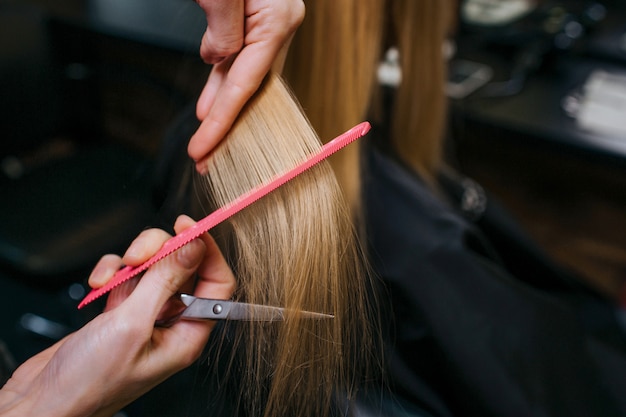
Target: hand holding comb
229,210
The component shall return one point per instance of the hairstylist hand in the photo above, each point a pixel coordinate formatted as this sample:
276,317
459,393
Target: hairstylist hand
244,38
120,354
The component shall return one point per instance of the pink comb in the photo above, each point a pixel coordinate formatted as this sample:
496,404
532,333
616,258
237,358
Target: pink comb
227,211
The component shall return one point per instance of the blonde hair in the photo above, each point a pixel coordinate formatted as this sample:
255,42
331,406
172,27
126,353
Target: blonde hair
294,248
332,68
418,120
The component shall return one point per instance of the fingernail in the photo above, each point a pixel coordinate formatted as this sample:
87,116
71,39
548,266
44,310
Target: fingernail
187,256
100,275
135,250
183,222
201,168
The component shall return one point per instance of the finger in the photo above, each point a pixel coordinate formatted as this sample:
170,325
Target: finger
268,32
225,29
215,277
165,279
121,293
216,280
106,267
212,86
144,246
182,223
241,81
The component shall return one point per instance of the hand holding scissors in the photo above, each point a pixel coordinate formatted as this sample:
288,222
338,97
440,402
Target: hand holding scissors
199,309
120,354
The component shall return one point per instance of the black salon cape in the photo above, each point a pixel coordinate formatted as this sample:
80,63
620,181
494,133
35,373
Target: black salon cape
468,337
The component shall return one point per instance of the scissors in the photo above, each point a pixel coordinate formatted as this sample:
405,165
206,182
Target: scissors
196,308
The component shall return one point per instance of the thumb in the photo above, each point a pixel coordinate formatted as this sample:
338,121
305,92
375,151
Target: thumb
165,278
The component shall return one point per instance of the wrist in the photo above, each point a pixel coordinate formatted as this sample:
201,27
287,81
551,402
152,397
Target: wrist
14,403
34,402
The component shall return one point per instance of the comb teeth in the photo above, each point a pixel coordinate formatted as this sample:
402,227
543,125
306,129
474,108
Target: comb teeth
227,211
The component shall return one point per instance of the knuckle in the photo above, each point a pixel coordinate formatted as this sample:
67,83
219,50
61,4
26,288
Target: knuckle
126,328
217,47
240,87
107,265
153,235
291,13
168,279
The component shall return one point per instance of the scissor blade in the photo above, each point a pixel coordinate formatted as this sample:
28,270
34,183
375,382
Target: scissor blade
204,308
209,309
255,312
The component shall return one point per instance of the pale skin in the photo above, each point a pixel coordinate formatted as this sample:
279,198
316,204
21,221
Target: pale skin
244,40
121,354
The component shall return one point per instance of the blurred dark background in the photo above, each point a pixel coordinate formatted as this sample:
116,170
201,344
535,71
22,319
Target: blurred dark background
89,89
521,136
